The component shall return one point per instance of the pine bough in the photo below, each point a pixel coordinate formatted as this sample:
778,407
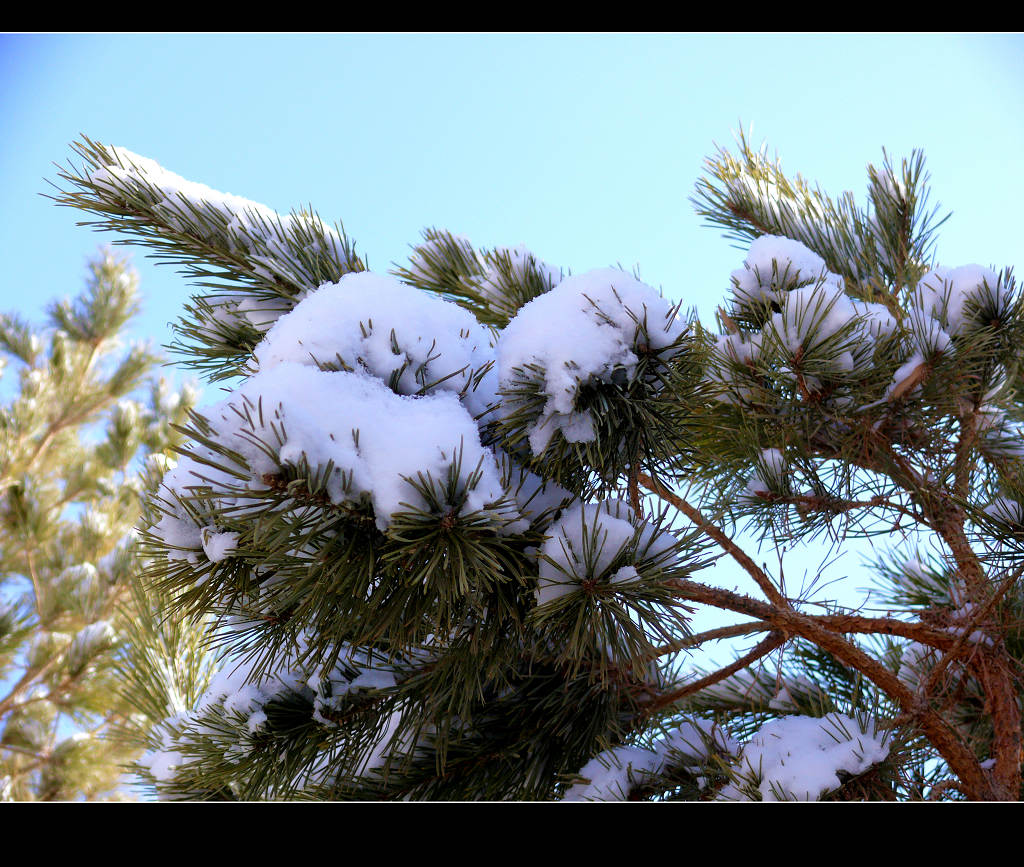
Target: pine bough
439,522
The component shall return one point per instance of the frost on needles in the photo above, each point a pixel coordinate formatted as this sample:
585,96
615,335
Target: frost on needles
449,525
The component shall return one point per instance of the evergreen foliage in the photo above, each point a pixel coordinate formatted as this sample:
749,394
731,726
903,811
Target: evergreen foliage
453,524
82,414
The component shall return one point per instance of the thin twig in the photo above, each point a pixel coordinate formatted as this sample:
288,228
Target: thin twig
718,634
709,529
763,648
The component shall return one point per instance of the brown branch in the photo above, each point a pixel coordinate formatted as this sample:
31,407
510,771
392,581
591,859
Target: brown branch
946,517
997,682
941,515
825,633
1004,701
709,529
939,732
950,528
965,631
806,503
942,786
721,632
961,460
26,680
838,623
922,633
763,648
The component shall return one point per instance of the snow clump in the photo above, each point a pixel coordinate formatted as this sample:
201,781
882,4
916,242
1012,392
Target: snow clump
610,775
775,265
375,439
799,758
585,330
401,335
815,331
588,539
239,697
270,239
953,296
769,476
1005,510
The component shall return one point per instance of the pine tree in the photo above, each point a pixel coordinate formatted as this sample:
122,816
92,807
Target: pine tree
452,523
82,415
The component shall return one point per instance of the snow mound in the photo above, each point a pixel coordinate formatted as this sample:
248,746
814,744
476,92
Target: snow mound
800,757
586,329
402,335
376,440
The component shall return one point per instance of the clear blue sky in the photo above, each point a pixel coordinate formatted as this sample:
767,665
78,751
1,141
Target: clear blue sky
583,147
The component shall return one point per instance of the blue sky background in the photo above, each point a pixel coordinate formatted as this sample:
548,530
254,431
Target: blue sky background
583,147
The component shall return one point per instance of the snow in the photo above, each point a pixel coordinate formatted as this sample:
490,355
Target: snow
226,313
135,169
889,186
236,696
533,495
1005,510
1004,441
216,545
584,330
965,613
791,690
357,671
944,293
377,441
800,757
270,239
812,314
404,405
916,661
903,374
916,571
82,579
375,323
610,775
822,327
90,639
769,476
732,351
179,535
875,319
775,264
817,331
927,334
584,543
162,763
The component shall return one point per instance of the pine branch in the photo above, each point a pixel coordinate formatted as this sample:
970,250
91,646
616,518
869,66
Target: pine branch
486,627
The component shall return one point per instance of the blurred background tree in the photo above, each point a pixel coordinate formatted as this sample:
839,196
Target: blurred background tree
85,424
